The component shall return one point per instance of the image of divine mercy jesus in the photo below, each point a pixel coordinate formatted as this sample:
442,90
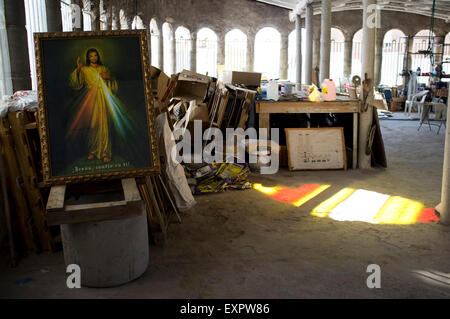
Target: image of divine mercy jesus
99,111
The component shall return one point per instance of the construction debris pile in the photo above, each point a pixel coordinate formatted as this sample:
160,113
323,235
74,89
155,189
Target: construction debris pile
187,97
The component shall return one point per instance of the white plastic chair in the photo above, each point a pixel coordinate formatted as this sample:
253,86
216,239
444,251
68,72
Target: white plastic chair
415,100
420,107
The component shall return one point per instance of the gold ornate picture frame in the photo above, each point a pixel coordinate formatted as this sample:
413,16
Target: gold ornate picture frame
96,112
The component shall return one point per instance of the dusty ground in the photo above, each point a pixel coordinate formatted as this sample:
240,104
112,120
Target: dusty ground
243,244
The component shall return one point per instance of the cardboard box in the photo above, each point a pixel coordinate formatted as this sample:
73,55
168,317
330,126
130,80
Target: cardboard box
162,86
191,86
160,83
249,79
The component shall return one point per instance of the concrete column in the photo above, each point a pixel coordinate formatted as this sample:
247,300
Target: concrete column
194,52
161,48
129,21
284,57
221,48
445,198
325,41
410,50
95,20
438,48
309,44
173,51
17,44
348,51
250,59
108,14
81,6
406,60
368,72
316,49
53,12
298,50
378,56
115,24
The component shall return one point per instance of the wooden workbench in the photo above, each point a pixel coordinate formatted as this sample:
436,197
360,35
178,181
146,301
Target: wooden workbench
265,108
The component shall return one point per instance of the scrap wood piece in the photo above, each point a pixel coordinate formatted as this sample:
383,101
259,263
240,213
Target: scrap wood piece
222,107
164,198
169,196
249,97
14,185
28,170
378,150
6,208
155,205
152,219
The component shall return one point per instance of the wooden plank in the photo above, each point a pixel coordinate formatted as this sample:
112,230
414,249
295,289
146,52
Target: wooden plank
6,208
56,198
222,108
308,107
155,206
246,108
73,214
130,190
264,122
171,200
355,140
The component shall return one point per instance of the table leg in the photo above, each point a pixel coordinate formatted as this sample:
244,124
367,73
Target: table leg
355,140
264,122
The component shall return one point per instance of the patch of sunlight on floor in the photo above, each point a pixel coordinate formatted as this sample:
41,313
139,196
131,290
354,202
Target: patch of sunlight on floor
375,208
295,196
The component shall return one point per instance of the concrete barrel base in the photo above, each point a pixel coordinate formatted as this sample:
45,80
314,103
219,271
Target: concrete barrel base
110,253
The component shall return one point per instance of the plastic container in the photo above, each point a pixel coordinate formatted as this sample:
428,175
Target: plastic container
329,90
272,90
286,88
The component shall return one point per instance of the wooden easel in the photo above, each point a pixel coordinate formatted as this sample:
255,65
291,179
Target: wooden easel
149,193
59,212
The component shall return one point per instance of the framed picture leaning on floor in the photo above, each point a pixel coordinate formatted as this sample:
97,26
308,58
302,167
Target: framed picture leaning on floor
96,118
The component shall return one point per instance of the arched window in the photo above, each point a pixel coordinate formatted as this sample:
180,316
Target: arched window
267,53
292,58
36,21
235,51
337,55
167,48
183,49
392,60
446,66
66,15
137,23
421,61
154,34
357,53
207,52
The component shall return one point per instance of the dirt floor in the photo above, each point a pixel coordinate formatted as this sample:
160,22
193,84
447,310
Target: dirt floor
244,244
